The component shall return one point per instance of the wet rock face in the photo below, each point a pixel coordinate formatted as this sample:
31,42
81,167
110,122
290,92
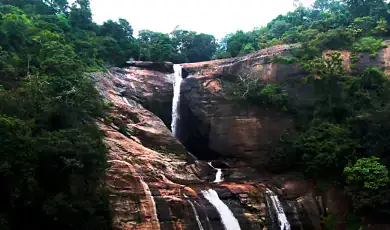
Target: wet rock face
151,89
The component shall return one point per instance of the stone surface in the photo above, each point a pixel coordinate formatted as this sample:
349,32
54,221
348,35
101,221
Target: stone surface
153,177
145,160
225,127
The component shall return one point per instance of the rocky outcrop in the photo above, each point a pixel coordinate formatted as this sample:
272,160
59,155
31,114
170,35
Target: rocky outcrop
217,126
148,165
229,128
364,60
151,89
155,183
165,67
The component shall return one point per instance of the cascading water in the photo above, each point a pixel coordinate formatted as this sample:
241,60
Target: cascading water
196,215
219,175
176,98
275,202
227,217
149,194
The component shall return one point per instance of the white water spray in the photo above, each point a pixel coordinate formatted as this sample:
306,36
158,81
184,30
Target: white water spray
176,98
227,217
282,219
219,175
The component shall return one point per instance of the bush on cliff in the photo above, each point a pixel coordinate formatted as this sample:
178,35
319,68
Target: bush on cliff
347,122
367,182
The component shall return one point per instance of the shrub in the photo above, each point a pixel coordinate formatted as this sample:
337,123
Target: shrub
274,94
284,60
368,44
364,181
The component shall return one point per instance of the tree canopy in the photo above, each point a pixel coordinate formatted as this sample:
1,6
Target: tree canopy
328,24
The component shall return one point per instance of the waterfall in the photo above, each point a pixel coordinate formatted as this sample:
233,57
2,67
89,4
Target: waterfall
176,98
149,194
219,175
275,202
227,217
207,219
196,215
296,216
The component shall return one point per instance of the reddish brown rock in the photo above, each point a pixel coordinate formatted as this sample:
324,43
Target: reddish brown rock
151,173
147,162
222,126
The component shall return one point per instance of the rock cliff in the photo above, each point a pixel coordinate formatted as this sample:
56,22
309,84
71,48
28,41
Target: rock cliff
155,183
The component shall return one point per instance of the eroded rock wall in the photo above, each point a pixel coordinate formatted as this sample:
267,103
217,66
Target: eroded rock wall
153,179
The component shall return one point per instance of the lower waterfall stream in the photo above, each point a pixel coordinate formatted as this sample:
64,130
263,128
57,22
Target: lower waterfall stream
273,200
196,215
228,220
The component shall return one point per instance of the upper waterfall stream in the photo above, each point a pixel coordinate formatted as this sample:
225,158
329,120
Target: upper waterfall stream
218,175
176,98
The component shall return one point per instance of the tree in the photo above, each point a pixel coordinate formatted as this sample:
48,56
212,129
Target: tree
360,8
278,28
203,48
119,30
366,179
236,41
155,46
60,6
327,76
192,47
80,15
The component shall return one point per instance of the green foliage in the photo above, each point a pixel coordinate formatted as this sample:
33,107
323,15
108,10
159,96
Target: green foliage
329,24
284,155
360,8
354,222
284,60
124,130
368,44
274,94
326,149
328,77
52,157
328,221
365,179
346,117
251,89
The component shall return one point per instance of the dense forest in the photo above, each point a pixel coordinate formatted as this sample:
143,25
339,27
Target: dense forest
52,157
